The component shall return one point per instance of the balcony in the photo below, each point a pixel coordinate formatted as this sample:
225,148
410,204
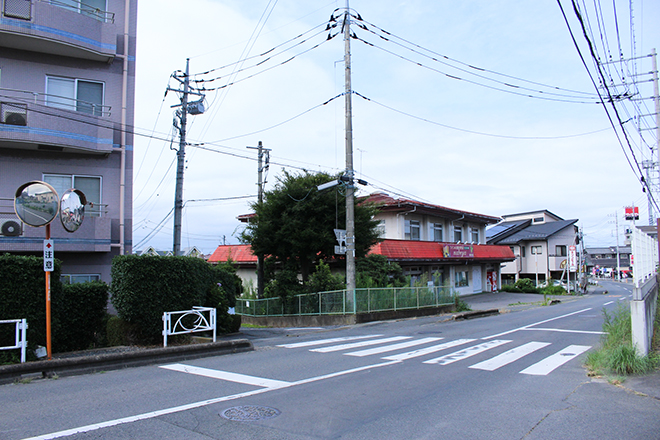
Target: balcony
94,235
36,121
61,27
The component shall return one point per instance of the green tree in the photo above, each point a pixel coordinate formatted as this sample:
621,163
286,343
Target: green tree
375,271
294,224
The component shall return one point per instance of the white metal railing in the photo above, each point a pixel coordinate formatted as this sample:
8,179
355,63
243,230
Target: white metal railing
199,319
56,101
21,336
85,9
645,257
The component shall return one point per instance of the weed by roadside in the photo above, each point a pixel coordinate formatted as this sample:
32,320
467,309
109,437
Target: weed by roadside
617,355
460,305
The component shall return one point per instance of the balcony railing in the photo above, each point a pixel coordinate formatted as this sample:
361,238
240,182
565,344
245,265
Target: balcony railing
84,9
56,101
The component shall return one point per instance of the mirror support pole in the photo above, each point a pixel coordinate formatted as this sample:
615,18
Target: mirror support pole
49,347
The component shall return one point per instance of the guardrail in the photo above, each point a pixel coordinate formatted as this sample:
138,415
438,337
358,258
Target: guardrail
339,302
21,336
199,319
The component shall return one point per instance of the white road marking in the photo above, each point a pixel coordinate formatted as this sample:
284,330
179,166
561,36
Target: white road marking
326,341
558,359
226,375
176,409
536,323
428,350
394,347
466,353
359,344
608,303
562,330
509,356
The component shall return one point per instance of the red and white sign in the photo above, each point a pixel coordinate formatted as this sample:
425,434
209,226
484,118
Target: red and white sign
572,258
49,256
632,213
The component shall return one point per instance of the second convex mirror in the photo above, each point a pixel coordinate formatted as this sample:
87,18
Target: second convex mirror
72,209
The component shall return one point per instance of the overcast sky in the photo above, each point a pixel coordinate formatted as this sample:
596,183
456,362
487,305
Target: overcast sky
482,106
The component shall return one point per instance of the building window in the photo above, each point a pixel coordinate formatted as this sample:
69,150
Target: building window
538,220
560,250
474,232
522,251
89,185
461,278
436,228
458,234
75,94
412,230
381,229
537,250
75,279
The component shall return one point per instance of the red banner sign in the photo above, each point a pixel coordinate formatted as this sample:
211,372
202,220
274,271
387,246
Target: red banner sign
458,251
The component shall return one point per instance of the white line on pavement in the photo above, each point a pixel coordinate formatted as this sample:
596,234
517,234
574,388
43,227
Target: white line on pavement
562,330
558,359
326,341
536,323
428,350
466,353
226,375
509,356
394,347
359,344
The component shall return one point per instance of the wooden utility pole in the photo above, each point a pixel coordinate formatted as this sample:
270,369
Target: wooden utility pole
261,151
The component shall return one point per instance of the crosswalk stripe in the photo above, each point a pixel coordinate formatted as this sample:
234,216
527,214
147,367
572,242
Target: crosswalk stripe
558,359
359,344
326,341
226,375
428,350
466,353
394,347
509,356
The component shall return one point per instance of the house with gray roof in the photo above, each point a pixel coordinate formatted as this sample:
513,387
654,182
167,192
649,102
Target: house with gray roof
540,240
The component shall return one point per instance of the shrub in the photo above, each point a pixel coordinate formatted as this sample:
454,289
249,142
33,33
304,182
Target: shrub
553,290
526,285
144,287
510,288
81,316
323,280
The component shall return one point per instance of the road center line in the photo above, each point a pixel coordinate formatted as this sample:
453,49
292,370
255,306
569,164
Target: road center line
536,323
561,330
176,409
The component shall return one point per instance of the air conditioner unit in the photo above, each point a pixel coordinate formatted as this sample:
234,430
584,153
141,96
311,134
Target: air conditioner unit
13,114
12,118
11,228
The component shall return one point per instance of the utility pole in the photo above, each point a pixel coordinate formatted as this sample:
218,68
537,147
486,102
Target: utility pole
261,151
180,164
181,153
350,187
656,98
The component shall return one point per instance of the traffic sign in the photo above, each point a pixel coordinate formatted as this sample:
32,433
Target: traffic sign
49,256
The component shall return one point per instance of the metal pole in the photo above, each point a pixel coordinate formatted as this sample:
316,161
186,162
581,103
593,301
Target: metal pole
178,195
49,346
260,198
350,188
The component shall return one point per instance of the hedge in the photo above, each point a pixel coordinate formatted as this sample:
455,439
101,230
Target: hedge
144,287
78,311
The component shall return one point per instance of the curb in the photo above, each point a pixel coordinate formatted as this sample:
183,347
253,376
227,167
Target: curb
116,361
475,314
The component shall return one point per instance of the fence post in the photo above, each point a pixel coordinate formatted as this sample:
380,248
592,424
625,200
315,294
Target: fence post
319,303
23,332
417,297
166,318
395,300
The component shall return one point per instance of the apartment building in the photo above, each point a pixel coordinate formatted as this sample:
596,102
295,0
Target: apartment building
540,241
67,85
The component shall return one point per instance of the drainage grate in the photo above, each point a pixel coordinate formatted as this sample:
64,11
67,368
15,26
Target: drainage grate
249,413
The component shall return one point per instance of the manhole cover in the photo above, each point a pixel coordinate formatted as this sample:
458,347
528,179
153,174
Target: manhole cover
249,413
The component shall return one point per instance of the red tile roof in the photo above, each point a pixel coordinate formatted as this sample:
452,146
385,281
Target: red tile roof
238,253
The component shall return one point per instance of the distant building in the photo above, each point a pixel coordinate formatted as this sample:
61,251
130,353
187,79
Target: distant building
443,245
602,261
66,115
540,241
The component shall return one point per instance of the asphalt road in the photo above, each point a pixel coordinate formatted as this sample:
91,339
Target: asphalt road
518,375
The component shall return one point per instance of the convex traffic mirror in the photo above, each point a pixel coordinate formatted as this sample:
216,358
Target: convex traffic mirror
72,209
36,203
